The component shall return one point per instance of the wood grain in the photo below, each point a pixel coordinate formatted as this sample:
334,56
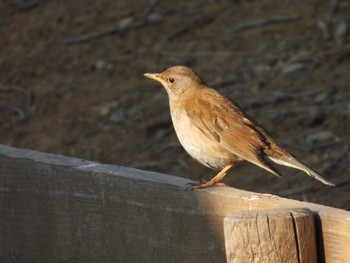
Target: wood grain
60,209
273,235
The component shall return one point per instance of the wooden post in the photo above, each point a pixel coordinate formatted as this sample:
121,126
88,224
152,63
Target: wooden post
276,235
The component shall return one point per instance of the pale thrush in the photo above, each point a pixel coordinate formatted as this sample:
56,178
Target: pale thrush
216,132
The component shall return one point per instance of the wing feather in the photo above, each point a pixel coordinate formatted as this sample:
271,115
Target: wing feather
221,120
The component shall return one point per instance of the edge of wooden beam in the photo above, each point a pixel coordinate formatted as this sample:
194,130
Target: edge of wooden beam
332,224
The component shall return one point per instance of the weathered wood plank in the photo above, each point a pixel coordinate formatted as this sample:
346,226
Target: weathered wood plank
273,235
55,208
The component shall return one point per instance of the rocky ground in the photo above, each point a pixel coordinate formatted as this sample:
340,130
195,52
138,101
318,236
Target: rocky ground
71,82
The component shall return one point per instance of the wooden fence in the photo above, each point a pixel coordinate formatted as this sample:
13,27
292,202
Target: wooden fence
60,209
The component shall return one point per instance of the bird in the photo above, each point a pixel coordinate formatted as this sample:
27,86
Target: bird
216,132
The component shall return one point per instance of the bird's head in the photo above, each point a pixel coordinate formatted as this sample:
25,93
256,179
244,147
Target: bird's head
177,81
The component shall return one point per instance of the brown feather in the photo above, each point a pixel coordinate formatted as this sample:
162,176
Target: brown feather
221,120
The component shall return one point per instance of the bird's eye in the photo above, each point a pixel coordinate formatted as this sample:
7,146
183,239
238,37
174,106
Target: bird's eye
171,80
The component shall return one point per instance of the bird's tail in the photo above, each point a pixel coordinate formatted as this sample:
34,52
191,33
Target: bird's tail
291,161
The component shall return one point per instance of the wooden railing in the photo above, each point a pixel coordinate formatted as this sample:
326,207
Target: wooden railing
61,209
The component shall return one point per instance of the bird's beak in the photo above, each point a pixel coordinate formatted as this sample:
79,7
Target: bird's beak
154,76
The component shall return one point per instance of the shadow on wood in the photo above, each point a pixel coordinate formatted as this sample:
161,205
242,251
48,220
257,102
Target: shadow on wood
61,209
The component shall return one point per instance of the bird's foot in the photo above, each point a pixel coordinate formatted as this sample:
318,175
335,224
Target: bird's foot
195,186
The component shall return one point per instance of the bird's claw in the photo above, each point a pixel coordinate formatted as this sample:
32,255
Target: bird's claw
197,186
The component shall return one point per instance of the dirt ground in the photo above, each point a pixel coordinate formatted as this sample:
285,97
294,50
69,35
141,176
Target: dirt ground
71,82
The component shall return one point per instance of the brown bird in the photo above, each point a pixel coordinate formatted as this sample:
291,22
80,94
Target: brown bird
216,132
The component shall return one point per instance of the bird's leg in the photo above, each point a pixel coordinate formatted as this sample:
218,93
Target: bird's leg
216,180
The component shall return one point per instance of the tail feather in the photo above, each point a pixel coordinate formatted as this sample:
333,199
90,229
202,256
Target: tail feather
265,164
294,163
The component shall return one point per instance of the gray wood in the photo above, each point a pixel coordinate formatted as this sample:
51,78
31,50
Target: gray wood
60,209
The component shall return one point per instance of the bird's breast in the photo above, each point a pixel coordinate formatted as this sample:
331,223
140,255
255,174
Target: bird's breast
205,150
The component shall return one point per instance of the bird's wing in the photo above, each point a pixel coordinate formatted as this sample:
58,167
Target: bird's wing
221,120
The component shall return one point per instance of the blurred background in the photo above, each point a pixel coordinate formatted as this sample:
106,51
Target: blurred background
71,82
